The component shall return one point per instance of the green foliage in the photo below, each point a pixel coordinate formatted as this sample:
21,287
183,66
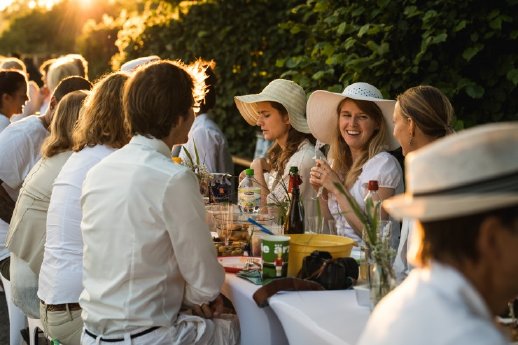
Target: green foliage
42,31
464,48
242,36
97,44
467,49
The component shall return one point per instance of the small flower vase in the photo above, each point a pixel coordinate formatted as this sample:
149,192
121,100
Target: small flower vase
381,281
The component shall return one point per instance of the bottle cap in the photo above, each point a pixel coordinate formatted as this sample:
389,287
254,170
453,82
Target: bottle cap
294,170
373,185
249,172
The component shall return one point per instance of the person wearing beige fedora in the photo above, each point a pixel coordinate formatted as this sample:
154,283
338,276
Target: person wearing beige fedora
357,124
463,191
422,115
280,112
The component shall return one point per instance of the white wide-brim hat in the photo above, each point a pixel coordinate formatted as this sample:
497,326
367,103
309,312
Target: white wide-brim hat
132,65
286,92
469,172
323,115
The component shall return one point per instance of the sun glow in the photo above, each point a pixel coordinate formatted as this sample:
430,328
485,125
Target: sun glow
37,3
4,4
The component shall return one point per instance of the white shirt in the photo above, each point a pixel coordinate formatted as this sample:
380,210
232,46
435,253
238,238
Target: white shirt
28,227
147,247
4,122
384,168
62,268
303,159
20,145
436,306
211,145
401,266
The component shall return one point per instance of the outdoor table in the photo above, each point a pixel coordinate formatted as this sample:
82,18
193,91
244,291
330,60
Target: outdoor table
320,317
259,326
296,317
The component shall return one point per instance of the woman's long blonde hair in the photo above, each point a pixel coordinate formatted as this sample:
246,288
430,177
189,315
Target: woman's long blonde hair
340,152
62,125
102,121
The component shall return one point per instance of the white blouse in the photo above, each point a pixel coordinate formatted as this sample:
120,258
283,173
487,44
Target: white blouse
384,168
61,272
303,159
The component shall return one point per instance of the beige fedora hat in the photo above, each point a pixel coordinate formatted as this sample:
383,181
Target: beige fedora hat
322,111
286,92
465,173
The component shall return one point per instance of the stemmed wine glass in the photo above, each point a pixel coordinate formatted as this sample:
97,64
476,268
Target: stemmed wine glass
320,155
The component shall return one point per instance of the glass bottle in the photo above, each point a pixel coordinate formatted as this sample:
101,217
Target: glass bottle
294,223
372,194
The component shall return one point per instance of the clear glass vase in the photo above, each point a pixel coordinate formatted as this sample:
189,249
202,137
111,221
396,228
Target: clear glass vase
381,281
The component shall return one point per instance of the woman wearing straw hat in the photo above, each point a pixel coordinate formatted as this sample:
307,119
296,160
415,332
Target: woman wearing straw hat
422,115
463,190
280,112
357,124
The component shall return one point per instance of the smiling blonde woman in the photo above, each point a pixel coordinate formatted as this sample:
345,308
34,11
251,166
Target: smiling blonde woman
357,124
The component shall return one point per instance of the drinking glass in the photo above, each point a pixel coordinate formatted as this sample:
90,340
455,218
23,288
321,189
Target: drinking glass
225,219
314,225
331,225
385,230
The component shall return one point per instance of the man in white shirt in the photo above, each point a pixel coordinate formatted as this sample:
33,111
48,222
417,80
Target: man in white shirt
463,192
210,141
147,249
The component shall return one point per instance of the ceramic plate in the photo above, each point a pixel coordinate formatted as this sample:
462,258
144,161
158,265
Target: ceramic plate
234,264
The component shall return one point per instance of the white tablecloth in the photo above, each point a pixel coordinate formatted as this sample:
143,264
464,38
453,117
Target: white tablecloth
320,317
307,317
259,326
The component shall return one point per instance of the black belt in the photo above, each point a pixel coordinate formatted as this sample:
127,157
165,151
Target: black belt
116,340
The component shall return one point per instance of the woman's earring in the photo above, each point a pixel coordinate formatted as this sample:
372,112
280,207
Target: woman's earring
411,142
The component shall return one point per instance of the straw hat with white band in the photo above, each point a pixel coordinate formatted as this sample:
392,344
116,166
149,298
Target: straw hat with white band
285,92
323,116
470,172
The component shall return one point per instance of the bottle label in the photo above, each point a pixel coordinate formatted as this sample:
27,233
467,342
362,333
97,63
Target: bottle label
249,198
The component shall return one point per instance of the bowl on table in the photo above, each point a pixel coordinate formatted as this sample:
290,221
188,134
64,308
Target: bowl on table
302,245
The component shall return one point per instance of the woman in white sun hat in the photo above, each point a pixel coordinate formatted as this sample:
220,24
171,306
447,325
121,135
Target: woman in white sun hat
357,124
280,112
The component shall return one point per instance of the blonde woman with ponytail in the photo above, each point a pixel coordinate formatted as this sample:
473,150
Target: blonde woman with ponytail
422,115
357,125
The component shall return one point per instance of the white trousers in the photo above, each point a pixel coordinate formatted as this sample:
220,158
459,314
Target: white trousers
187,330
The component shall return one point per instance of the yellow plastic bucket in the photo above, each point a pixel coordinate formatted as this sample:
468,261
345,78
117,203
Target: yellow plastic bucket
304,244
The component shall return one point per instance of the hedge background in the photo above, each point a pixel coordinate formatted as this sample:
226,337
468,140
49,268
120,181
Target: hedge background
468,49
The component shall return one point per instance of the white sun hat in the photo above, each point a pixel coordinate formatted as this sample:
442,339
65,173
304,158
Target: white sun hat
469,172
132,65
323,114
286,92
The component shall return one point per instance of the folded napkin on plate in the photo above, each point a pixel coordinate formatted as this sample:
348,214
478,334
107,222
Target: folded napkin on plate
253,276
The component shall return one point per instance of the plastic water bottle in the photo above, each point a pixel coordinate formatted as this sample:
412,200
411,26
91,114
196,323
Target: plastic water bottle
249,193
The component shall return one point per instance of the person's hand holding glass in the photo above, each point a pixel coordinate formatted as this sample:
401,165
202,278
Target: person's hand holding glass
323,176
